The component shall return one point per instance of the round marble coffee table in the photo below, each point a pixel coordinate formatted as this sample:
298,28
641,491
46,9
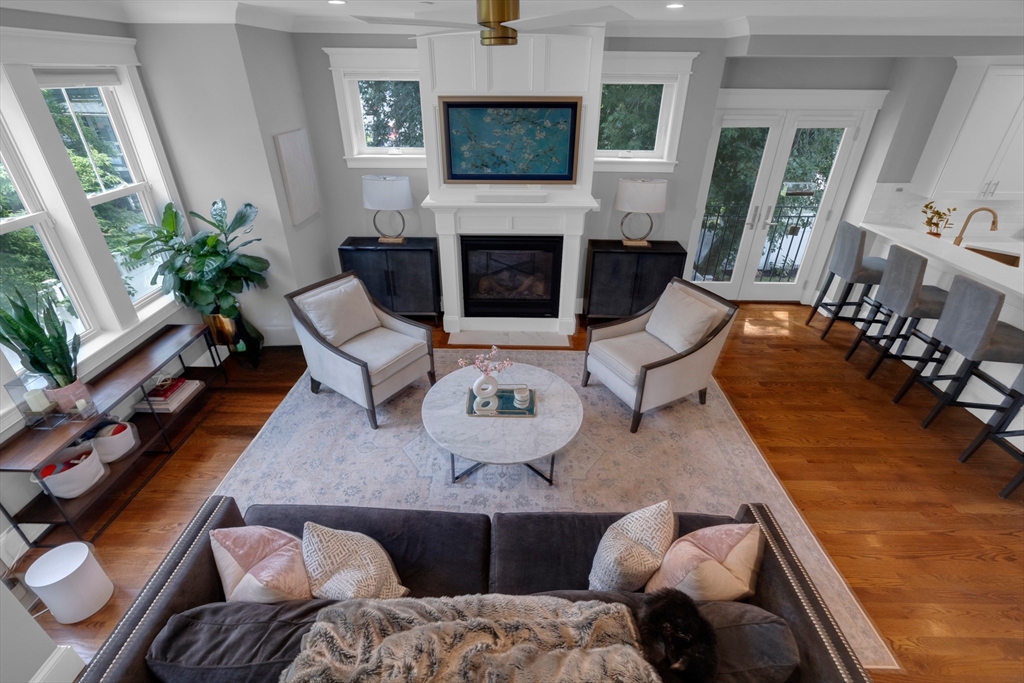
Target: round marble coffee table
503,440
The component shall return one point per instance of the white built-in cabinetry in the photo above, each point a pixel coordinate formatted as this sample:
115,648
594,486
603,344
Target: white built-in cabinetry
976,150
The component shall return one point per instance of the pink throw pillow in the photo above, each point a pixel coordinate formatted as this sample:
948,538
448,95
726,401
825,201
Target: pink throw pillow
259,564
714,563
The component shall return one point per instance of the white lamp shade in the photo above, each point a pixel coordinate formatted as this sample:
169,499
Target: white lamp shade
640,195
386,192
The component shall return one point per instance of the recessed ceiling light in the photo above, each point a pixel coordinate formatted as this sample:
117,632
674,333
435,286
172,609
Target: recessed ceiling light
674,5
335,2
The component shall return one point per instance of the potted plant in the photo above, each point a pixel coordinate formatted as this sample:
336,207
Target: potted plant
206,271
44,348
936,219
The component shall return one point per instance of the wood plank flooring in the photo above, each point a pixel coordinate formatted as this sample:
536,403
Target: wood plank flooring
934,555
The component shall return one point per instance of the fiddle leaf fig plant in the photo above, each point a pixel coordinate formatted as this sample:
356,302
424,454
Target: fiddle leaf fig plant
43,347
206,270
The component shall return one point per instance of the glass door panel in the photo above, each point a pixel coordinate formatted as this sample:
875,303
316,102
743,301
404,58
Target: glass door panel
806,178
728,209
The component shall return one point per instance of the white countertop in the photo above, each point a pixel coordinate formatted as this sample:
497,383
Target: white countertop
1007,279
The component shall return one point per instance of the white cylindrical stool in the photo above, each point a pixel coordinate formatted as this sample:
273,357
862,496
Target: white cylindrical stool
70,582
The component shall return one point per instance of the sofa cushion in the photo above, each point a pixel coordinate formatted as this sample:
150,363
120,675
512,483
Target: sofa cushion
626,354
259,564
339,311
717,563
385,351
679,319
347,564
235,642
632,548
754,645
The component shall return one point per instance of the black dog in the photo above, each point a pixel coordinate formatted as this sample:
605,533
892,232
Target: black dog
676,639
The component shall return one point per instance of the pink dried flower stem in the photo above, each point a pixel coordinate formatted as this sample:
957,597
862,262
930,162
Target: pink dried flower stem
483,362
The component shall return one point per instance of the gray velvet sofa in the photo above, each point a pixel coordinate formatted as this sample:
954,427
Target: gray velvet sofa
444,553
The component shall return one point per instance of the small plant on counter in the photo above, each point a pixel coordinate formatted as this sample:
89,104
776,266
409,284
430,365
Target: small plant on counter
936,219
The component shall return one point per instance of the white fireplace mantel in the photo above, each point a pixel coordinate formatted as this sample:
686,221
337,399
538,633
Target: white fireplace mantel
564,219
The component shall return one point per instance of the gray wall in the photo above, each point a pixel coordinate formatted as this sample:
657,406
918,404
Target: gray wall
802,73
24,646
55,22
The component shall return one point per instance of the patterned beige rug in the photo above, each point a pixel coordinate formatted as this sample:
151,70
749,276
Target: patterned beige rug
318,449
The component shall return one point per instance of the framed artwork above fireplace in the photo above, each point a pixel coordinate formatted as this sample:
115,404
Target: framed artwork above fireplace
510,139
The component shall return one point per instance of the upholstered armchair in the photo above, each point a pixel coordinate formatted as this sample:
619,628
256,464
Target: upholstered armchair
662,353
354,346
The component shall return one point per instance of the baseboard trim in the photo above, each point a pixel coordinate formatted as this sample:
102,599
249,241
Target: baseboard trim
62,666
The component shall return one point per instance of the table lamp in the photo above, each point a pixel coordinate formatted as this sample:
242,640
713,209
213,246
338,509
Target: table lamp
640,195
387,193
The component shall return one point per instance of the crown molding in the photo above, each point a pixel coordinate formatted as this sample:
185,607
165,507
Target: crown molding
56,48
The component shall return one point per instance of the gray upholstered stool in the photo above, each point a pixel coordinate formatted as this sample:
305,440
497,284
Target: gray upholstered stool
998,432
903,294
969,325
850,264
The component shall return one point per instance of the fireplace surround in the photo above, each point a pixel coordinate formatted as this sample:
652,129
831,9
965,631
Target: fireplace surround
511,276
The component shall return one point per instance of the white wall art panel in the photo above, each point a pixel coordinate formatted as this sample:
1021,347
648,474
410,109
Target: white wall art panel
453,64
299,174
510,69
568,64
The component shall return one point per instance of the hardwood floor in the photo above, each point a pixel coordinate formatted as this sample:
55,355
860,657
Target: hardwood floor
934,555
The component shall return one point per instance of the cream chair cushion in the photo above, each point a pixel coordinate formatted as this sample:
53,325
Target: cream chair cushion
624,355
385,351
340,311
679,319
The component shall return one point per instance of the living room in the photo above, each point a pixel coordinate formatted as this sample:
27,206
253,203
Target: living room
929,551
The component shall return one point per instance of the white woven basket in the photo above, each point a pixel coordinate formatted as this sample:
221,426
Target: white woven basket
80,478
113,448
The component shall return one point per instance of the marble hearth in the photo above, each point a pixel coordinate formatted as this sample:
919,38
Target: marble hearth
562,218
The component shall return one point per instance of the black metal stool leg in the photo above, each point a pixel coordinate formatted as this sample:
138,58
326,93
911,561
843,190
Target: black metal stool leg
952,392
890,339
1012,486
843,298
918,369
821,297
874,308
911,328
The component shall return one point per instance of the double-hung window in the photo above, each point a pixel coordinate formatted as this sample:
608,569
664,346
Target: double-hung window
642,99
378,94
80,163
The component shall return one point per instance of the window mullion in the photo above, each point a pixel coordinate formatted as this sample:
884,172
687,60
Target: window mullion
81,134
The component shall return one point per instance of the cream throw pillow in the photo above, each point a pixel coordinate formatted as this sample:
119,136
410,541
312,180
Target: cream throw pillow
631,549
259,564
680,320
340,312
714,563
348,564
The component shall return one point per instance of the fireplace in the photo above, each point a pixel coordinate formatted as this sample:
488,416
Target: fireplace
515,277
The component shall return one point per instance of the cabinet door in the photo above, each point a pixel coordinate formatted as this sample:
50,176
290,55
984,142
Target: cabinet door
371,265
612,281
655,272
412,281
982,135
1008,177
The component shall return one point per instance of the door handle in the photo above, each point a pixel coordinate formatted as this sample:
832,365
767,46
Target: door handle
992,192
767,215
984,191
753,221
387,283
394,289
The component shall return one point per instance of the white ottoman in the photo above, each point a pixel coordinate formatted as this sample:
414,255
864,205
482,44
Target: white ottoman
70,582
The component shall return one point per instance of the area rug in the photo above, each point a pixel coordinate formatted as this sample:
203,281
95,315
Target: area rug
319,449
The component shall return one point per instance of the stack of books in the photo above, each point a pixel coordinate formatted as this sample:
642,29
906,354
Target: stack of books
170,397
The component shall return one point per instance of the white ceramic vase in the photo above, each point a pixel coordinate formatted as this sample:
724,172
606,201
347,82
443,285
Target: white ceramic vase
485,386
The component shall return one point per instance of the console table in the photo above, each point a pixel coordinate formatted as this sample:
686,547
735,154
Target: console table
403,278
623,280
86,517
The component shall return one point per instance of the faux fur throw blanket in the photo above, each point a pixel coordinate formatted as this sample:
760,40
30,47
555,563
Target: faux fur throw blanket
494,638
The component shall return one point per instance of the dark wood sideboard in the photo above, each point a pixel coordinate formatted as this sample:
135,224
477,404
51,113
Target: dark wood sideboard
403,278
621,280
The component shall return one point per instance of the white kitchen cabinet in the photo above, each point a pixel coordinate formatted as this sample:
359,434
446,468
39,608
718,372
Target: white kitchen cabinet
987,154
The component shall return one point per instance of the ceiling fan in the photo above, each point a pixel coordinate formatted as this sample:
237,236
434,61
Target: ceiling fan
501,22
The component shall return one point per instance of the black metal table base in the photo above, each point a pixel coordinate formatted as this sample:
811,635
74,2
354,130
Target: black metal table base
549,477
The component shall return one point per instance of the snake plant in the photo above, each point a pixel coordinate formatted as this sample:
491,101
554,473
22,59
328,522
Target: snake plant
43,347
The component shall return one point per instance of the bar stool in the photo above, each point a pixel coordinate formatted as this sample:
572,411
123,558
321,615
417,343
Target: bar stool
998,432
970,326
850,264
903,294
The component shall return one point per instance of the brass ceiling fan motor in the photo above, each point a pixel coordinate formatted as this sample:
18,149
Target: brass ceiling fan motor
491,14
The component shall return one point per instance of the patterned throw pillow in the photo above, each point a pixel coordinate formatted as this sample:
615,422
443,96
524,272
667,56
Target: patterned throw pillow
348,564
259,564
714,563
631,549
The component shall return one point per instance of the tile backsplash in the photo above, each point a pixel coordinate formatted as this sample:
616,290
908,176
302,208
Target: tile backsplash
894,204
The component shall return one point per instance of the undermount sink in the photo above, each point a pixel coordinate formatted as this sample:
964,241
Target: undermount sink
1001,257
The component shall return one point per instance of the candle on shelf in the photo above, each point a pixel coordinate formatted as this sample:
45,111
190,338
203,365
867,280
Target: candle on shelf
37,400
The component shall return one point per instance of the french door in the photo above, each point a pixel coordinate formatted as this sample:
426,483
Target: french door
773,185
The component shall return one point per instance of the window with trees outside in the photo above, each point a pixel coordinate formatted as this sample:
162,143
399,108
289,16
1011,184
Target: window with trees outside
391,113
629,116
88,132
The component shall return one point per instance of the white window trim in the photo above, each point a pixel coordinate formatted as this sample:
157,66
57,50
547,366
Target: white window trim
348,67
671,69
